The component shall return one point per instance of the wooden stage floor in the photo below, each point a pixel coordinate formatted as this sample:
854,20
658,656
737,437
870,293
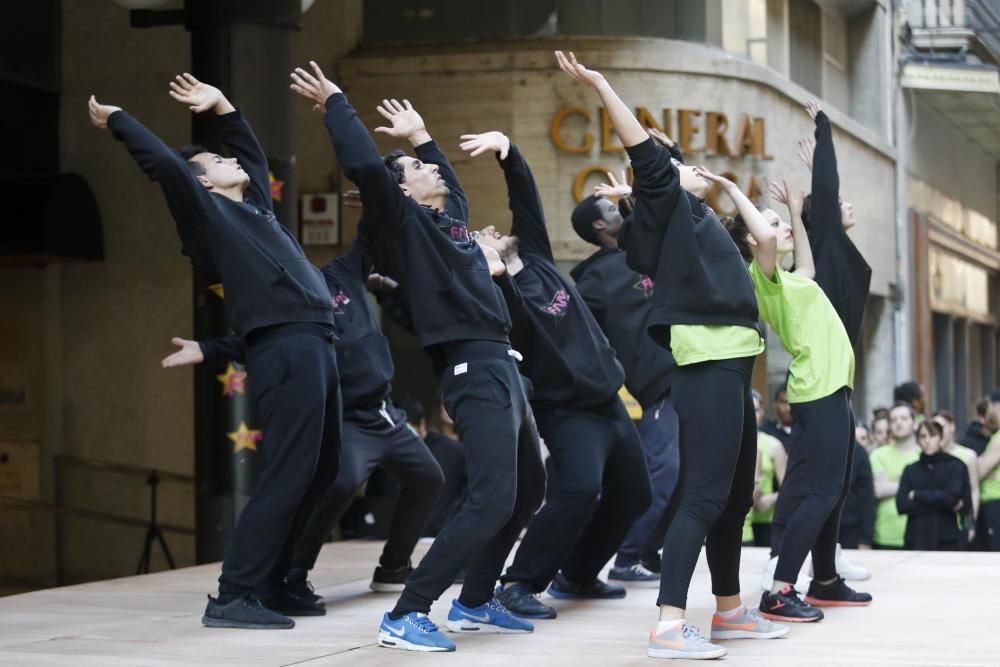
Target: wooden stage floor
929,609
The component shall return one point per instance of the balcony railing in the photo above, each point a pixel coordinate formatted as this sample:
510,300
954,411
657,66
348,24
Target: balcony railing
936,13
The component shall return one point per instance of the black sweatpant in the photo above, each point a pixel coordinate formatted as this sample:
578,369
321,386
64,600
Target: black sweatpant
377,437
292,372
988,530
718,457
598,487
807,515
483,393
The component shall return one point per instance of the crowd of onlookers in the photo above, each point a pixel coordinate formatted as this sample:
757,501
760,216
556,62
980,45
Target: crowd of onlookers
917,483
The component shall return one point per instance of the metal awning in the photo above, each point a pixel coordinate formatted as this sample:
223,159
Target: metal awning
967,95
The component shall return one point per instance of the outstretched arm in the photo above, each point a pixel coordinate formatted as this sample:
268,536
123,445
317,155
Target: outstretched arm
766,254
804,263
825,215
212,351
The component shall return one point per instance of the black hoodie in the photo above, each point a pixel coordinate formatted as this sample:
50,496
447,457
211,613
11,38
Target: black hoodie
938,482
443,274
621,301
679,242
841,270
267,278
566,355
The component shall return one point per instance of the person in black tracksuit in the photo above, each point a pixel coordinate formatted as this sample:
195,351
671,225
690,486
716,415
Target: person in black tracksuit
280,305
598,483
845,277
375,432
857,519
934,493
461,319
620,300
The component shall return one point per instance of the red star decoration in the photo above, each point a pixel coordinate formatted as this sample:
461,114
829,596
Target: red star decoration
233,381
276,186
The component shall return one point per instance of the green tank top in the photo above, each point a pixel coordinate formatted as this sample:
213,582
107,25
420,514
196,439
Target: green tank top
989,487
890,525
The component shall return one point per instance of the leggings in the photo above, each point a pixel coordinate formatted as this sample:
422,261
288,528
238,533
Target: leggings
807,515
718,455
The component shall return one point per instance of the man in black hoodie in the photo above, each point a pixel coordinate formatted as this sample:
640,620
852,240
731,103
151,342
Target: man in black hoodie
621,300
375,432
280,305
598,483
418,214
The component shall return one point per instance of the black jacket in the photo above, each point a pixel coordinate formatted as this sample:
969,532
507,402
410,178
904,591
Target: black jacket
841,270
265,273
363,358
858,515
621,301
974,438
679,242
444,277
938,482
566,355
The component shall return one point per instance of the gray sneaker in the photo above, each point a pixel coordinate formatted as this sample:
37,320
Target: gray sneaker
684,641
636,575
748,625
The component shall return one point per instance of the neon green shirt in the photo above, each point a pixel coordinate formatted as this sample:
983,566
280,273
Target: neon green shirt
989,488
765,484
890,525
798,311
695,343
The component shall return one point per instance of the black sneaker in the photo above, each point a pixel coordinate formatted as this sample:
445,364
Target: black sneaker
521,601
636,574
287,603
390,581
651,565
244,612
298,584
562,587
785,605
836,594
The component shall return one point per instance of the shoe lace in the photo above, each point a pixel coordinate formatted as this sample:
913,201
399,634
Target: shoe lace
497,606
642,570
423,623
693,633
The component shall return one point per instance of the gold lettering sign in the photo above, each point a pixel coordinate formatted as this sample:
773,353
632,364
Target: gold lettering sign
607,132
555,130
581,179
685,123
646,119
716,124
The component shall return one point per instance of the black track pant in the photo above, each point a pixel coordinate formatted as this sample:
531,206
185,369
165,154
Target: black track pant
484,394
807,515
292,372
598,487
718,456
377,437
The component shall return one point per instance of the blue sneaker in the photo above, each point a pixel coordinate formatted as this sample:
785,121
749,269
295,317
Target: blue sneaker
491,617
413,632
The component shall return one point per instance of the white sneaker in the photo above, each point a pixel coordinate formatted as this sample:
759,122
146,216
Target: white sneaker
846,569
767,577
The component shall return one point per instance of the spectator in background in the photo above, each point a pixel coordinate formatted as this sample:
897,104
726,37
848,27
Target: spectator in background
781,426
879,432
914,395
977,434
946,421
862,436
888,463
989,476
857,520
771,463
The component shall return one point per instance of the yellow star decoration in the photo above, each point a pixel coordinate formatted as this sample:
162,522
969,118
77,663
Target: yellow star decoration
233,381
276,186
245,438
216,289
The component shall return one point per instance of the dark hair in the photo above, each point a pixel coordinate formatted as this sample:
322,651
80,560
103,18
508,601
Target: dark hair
806,216
188,152
395,168
880,413
782,389
903,404
414,410
738,230
626,205
982,406
932,427
908,392
945,415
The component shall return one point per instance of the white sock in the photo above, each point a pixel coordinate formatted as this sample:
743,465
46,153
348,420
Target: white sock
732,613
663,626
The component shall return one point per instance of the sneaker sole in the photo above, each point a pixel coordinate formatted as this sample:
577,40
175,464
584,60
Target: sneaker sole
465,625
788,619
746,634
817,602
685,655
387,640
210,622
559,595
300,612
638,583
380,587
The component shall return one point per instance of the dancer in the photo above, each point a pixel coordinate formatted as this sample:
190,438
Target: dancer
621,302
375,432
598,482
280,305
819,379
418,214
704,309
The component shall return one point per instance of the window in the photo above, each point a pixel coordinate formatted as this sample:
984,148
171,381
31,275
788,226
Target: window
744,28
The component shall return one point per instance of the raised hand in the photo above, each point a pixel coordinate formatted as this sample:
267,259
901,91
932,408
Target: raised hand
578,71
497,267
315,86
99,112
807,146
783,195
406,123
477,144
812,108
660,136
188,355
198,96
721,181
614,190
